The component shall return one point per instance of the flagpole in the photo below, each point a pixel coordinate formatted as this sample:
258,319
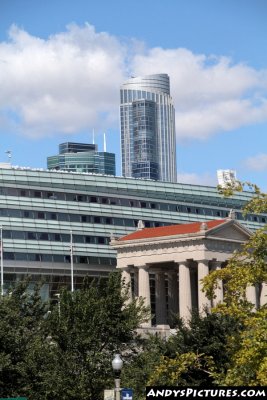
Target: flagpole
71,261
2,262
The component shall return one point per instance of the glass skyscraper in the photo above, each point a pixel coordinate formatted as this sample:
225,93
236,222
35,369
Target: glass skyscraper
148,142
82,157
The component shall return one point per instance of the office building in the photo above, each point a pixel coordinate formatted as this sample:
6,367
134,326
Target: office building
148,143
39,209
226,177
82,157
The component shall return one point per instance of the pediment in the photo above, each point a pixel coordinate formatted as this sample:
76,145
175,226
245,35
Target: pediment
230,230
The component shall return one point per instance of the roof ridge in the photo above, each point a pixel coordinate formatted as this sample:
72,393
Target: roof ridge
171,230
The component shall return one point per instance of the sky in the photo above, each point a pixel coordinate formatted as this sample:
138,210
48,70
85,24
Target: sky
62,64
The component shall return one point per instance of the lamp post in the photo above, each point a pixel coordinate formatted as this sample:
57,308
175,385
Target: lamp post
117,364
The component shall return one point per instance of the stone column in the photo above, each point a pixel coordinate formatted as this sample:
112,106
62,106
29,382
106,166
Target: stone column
185,299
251,295
263,298
144,289
161,306
203,270
173,294
216,266
126,277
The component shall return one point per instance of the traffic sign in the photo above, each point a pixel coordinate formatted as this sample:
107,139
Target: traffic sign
127,394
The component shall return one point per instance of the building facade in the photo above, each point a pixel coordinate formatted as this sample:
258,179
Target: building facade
148,143
165,266
82,157
40,208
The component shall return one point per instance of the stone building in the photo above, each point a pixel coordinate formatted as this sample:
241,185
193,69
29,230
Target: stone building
165,266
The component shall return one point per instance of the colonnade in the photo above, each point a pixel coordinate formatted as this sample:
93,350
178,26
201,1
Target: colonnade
178,288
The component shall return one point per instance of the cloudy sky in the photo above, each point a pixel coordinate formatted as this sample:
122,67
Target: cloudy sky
62,64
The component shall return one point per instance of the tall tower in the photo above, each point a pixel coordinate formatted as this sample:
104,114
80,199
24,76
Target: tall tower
148,143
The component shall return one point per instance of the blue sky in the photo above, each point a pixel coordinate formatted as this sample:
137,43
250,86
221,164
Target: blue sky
62,62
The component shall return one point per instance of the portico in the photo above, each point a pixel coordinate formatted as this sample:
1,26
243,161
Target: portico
166,265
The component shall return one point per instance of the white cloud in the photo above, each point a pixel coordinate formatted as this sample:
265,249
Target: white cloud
211,94
65,83
257,163
205,179
70,82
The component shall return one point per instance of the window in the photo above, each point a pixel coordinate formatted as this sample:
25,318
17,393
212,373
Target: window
31,235
37,194
88,239
97,220
14,213
18,235
57,237
40,215
83,218
43,236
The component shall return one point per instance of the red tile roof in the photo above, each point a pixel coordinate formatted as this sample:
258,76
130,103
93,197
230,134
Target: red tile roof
171,230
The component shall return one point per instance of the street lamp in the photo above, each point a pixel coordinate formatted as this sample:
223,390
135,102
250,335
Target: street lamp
117,364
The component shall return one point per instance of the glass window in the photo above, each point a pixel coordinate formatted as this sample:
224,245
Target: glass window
14,213
37,194
63,217
21,256
47,257
31,235
57,237
74,218
27,214
6,234
58,258
43,236
40,215
78,239
9,256
18,235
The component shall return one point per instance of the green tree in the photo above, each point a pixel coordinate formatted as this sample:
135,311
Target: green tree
91,325
66,353
196,351
21,322
246,267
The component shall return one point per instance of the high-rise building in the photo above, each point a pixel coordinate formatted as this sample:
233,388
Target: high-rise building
148,142
226,176
82,157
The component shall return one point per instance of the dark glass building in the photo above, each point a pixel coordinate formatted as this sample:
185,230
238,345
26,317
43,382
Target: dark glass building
82,157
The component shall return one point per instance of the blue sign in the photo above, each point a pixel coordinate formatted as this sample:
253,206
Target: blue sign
127,394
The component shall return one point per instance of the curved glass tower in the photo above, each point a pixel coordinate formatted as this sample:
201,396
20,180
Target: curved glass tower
148,142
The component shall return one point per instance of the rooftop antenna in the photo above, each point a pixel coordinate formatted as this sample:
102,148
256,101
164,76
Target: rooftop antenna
105,144
93,136
9,154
